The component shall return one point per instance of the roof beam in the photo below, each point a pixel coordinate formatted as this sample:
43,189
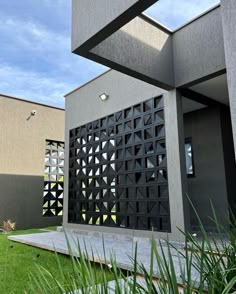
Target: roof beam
94,21
200,98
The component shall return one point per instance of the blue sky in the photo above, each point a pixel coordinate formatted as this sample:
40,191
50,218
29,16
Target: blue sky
36,62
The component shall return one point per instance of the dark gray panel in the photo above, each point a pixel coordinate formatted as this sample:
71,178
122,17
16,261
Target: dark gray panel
21,201
209,183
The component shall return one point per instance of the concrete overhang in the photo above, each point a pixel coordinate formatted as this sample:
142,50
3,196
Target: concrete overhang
140,49
198,49
119,37
94,21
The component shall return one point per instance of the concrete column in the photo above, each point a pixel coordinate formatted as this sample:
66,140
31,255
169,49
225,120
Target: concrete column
177,180
228,14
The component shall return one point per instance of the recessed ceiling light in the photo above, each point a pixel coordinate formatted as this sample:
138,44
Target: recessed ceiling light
104,96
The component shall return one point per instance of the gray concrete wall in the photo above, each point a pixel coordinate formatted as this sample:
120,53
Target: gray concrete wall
176,167
149,52
229,156
228,12
84,105
89,17
142,50
204,126
21,201
22,153
209,182
198,49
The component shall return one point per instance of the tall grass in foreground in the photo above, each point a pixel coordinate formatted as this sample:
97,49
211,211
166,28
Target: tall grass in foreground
205,265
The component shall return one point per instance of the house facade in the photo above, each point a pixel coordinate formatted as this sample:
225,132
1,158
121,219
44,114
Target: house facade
32,163
155,136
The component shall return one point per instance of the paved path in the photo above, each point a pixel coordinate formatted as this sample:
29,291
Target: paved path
119,246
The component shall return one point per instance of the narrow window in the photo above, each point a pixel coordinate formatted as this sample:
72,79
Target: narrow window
53,179
189,158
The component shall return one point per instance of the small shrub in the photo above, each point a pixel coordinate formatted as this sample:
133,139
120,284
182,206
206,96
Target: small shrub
9,226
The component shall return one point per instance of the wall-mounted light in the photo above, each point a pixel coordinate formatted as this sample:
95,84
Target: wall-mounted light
104,96
32,113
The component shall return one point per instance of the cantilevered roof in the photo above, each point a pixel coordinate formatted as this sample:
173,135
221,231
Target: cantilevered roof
122,38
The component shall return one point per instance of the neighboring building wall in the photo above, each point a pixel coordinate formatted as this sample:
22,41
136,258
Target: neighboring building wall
22,155
209,183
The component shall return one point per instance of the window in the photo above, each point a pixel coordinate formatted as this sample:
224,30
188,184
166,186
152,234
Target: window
53,179
189,158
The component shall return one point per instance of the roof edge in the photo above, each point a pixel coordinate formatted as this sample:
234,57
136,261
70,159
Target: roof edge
32,102
168,30
197,17
89,81
156,23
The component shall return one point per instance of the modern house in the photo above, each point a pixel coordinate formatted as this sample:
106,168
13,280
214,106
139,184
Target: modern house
31,163
157,130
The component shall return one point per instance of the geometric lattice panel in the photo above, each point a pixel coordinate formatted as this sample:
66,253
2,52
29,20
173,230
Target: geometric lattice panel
118,170
53,179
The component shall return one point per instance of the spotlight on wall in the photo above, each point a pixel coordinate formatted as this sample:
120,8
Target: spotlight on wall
33,112
104,96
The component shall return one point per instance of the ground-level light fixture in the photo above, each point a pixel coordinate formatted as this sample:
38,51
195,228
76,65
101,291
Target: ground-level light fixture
104,96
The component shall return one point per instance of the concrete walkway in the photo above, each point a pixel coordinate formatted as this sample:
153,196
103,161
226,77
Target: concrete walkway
120,247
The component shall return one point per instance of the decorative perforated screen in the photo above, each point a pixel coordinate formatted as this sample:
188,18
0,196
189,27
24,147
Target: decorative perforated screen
53,179
118,170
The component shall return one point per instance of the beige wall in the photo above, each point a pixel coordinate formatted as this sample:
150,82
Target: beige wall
22,151
22,139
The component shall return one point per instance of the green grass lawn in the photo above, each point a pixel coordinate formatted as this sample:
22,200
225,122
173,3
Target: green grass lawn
17,261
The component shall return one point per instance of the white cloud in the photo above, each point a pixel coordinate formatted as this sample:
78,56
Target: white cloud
27,35
45,69
33,85
49,45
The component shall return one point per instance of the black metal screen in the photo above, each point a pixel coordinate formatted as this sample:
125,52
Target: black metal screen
118,170
53,178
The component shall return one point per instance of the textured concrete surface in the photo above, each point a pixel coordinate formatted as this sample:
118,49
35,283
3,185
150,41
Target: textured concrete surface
123,285
142,50
208,138
198,49
228,11
107,18
22,140
176,166
119,247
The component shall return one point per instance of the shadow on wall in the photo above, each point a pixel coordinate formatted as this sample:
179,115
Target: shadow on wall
147,57
21,200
